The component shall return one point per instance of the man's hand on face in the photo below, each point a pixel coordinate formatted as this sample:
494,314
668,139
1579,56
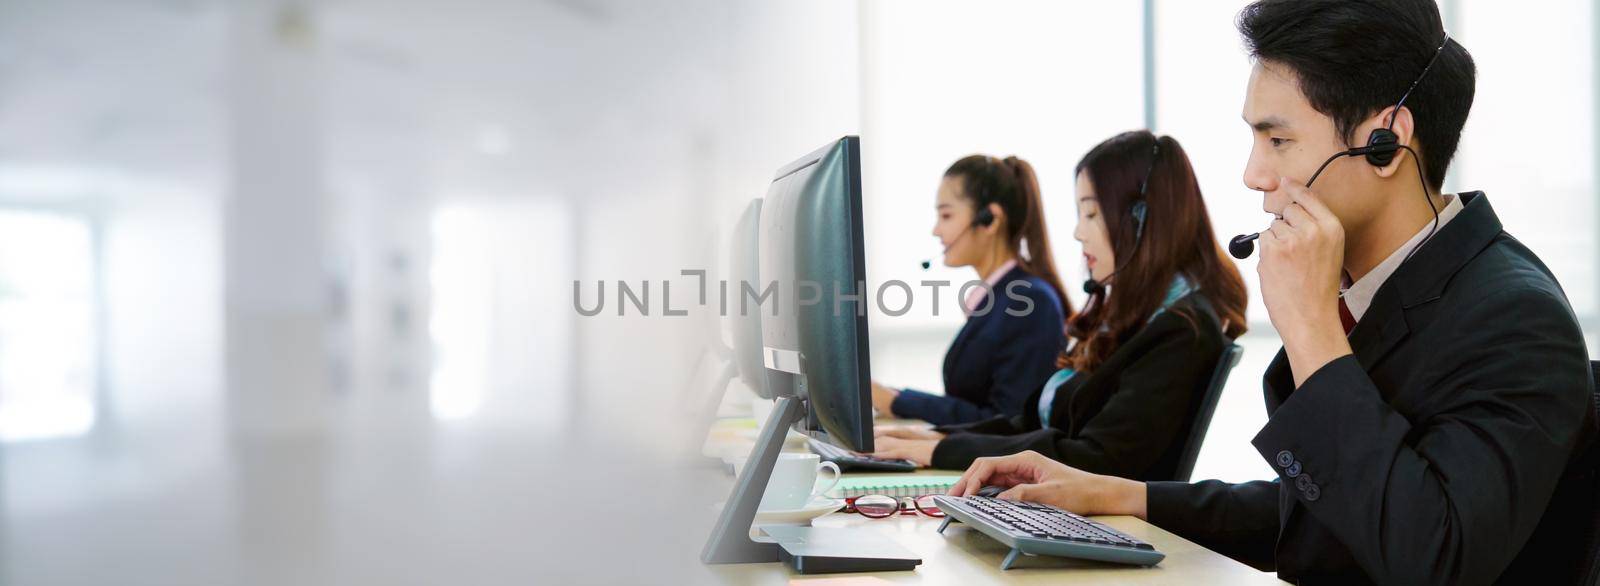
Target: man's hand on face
1302,257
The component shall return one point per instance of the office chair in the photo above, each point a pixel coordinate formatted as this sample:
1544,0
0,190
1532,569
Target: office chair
1208,406
1590,569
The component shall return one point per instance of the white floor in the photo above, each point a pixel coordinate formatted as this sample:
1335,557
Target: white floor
375,502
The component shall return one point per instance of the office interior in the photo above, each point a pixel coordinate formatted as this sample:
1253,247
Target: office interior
289,289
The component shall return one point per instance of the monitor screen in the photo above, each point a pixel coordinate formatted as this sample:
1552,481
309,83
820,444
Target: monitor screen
813,273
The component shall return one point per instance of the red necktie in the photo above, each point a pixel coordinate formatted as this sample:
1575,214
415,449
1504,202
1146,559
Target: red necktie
1345,317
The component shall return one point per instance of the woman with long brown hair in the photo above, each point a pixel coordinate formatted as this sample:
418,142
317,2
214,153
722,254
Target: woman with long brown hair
1163,304
991,218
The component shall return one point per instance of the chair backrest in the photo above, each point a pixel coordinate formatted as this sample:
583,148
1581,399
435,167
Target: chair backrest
1208,406
1591,567
1564,545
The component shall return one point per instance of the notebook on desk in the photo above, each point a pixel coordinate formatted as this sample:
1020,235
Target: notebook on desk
898,486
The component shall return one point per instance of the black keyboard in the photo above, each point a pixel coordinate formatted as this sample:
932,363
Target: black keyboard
1035,529
846,460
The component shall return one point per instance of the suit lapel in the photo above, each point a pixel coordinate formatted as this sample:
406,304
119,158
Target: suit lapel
1422,280
1383,326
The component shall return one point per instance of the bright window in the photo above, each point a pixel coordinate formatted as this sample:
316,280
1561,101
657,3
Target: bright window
47,326
501,345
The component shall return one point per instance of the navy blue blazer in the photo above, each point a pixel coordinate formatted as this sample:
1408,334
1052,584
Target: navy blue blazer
999,358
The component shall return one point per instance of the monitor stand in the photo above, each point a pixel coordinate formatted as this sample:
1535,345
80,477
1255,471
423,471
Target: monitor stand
730,541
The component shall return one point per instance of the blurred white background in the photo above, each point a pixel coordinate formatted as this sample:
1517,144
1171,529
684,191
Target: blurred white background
1048,81
286,287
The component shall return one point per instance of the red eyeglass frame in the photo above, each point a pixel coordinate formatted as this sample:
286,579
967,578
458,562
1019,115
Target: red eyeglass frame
905,505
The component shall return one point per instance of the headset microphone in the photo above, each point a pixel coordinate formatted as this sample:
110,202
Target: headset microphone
1242,245
1097,287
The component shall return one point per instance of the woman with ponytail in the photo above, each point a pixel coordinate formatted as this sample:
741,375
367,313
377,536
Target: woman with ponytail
1163,304
991,218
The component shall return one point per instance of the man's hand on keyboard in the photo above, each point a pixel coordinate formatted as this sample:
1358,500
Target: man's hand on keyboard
1031,477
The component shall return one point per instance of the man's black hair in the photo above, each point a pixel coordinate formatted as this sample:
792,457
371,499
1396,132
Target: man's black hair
1353,58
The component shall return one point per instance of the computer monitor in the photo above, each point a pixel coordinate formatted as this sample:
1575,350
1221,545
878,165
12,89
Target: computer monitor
741,359
811,251
814,354
715,364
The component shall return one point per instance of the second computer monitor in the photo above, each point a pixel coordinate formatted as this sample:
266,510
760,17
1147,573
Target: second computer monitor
744,265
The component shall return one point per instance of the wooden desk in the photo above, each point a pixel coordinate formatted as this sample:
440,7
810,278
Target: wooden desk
966,557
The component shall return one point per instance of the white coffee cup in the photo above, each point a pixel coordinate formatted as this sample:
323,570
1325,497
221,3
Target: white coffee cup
794,481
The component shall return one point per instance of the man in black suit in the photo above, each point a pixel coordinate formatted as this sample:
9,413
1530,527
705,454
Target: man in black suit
1430,413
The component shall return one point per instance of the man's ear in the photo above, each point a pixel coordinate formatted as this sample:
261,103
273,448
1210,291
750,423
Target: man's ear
1403,128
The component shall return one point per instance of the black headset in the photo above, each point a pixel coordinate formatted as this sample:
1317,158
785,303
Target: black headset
1137,211
1382,146
982,219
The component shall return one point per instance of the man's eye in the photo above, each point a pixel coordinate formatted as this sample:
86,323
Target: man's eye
1278,142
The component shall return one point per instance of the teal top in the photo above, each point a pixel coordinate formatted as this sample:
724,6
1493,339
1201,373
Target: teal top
1047,397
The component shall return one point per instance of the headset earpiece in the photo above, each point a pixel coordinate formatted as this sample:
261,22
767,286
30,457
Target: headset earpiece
1382,145
984,218
1138,212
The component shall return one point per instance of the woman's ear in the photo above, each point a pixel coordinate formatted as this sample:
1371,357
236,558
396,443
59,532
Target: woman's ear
999,216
